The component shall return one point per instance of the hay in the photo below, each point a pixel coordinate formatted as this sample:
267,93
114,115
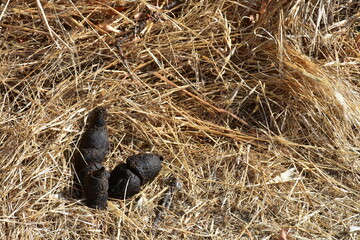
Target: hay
253,104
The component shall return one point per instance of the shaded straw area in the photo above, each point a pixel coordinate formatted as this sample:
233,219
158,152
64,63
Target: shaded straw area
254,106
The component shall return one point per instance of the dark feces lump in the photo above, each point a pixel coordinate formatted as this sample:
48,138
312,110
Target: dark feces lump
94,143
93,146
96,187
123,182
127,178
145,166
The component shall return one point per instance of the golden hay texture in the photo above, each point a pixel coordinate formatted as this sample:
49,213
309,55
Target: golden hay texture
254,106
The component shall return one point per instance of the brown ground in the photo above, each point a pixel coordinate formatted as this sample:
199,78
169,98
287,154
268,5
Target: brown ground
231,93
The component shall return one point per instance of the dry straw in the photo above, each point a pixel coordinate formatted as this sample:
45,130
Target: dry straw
253,104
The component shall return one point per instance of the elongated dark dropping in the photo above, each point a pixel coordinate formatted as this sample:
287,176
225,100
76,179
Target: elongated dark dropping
86,170
94,143
123,183
146,166
96,188
79,178
127,178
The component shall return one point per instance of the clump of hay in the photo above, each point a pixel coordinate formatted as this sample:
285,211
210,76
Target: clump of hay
253,104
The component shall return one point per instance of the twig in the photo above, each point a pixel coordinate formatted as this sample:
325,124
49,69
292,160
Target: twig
42,13
172,5
166,202
124,61
23,28
4,10
220,110
51,32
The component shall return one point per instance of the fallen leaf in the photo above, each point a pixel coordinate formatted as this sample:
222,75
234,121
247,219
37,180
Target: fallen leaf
284,233
108,28
289,175
138,15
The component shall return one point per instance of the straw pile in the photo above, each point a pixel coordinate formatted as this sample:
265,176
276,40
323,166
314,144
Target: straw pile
254,106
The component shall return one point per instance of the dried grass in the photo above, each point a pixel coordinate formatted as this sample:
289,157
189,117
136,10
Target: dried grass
185,90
